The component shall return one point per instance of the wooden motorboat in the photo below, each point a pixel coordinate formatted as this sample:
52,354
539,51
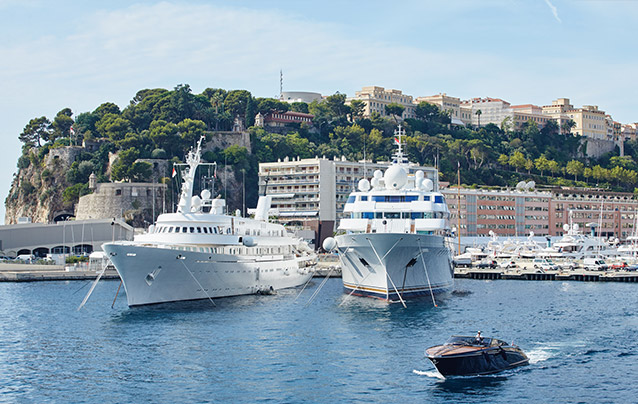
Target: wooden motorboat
468,356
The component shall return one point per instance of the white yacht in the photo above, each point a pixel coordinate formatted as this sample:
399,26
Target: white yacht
200,252
394,246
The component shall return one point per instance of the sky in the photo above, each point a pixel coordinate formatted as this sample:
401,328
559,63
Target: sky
80,54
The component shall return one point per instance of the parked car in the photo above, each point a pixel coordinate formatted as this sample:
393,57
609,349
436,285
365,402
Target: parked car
487,264
544,264
5,258
507,264
619,265
568,265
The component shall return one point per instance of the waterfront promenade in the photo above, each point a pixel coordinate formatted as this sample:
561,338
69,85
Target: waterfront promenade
10,272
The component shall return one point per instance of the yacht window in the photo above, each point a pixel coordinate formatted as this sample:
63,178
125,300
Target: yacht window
205,230
426,197
367,215
351,199
395,198
417,215
184,229
378,215
392,215
228,230
192,229
215,230
378,198
199,229
438,199
364,198
427,215
411,198
405,215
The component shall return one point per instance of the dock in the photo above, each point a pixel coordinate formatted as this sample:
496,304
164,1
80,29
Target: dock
529,275
35,273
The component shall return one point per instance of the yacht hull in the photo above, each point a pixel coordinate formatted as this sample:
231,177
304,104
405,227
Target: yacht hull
157,275
386,265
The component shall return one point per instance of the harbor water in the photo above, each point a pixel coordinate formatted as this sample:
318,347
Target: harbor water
582,340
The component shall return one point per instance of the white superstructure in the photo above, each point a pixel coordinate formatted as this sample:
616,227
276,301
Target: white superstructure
200,252
394,242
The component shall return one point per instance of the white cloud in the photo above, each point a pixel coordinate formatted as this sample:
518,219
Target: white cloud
554,10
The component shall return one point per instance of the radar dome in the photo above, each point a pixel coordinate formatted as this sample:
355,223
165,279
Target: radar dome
530,185
195,203
395,177
329,244
374,182
428,185
205,194
249,241
521,185
364,185
576,226
378,174
565,227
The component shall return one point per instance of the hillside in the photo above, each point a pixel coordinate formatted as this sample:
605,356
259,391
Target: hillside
116,144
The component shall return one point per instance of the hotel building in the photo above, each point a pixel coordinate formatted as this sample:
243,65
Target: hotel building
376,98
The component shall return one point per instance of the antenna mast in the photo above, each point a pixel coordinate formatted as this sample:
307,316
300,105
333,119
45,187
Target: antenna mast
281,84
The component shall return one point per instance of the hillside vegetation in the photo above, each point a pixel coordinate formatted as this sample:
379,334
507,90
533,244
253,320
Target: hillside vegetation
164,124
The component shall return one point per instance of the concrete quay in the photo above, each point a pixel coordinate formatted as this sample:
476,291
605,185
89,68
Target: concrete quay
573,275
35,273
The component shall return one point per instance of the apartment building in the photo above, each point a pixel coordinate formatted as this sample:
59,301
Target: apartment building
517,212
376,98
311,193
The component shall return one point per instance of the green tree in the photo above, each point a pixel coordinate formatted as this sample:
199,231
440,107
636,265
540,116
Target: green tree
587,173
503,160
299,107
395,110
121,166
478,115
113,126
36,130
517,160
357,108
61,125
575,168
336,104
554,167
236,102
542,164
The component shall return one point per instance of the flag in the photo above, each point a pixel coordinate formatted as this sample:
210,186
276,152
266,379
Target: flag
72,130
397,140
215,172
174,172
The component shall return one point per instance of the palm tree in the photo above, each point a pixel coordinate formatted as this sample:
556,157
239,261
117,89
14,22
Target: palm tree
478,114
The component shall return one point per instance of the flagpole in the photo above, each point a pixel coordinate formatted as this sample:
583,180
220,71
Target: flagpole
458,206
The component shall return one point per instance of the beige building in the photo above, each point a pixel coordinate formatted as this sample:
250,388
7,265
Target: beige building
376,98
449,104
509,212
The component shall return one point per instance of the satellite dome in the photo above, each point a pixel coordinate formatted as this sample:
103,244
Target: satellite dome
364,185
329,244
530,185
374,182
521,185
428,185
378,174
205,194
395,177
566,227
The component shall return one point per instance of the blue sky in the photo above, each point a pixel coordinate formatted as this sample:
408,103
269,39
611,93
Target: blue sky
79,54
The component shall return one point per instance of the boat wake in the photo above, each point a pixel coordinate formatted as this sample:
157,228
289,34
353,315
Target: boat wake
430,373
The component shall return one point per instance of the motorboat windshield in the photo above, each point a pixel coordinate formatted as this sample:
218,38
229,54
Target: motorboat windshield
484,341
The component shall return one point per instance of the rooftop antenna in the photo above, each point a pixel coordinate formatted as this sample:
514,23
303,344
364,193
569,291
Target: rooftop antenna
281,84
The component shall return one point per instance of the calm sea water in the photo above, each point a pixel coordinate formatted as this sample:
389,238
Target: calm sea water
582,339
